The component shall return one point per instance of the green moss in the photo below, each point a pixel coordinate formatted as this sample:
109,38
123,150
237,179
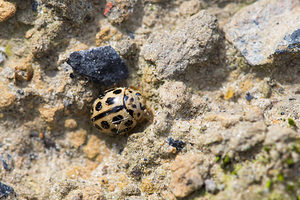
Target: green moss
8,50
295,148
269,184
289,161
152,7
263,159
291,122
280,177
267,149
290,187
276,196
226,160
237,167
218,158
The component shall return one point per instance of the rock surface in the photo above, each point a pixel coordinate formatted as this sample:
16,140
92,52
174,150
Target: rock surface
189,173
265,29
101,64
118,11
7,10
174,97
74,11
221,130
191,43
210,186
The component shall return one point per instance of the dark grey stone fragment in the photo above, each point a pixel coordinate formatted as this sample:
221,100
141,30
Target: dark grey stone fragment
290,43
5,190
101,64
178,144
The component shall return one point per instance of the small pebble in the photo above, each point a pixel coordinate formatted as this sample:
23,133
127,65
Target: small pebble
72,75
70,123
7,162
32,156
210,186
5,190
2,55
102,64
20,92
7,10
131,35
178,144
248,96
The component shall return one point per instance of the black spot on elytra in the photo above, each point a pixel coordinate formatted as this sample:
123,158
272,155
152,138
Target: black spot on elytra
143,107
131,99
98,106
113,110
134,106
98,127
139,114
128,123
125,98
114,130
106,91
118,91
105,124
138,94
101,96
110,100
124,130
117,119
130,91
130,112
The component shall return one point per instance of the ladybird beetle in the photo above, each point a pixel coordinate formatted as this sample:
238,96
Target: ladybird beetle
118,110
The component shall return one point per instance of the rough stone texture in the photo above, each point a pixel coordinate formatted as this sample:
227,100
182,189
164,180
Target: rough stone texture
189,173
162,122
49,149
277,135
50,26
92,148
192,43
75,11
70,123
210,186
101,64
78,138
283,148
173,101
265,29
189,8
7,10
48,113
118,11
244,139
